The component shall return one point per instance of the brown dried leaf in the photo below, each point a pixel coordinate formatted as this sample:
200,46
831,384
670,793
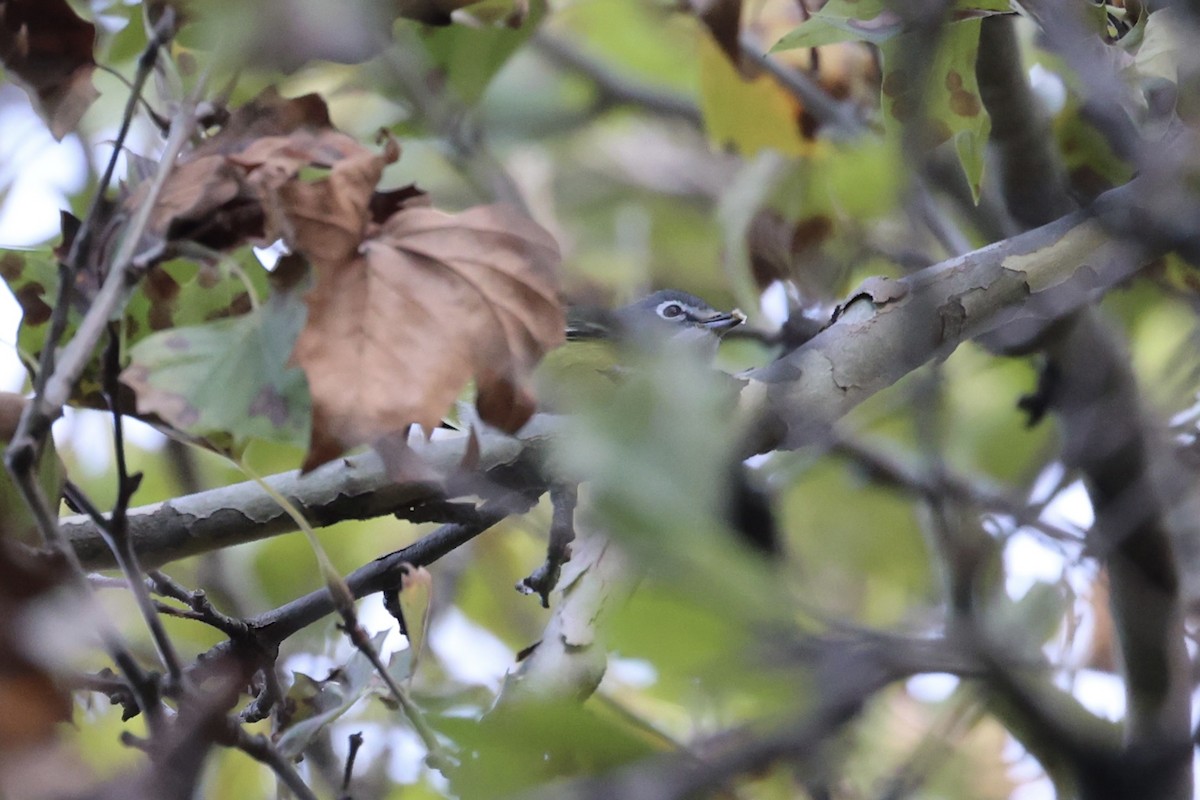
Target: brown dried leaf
48,49
397,329
723,18
34,704
268,114
323,219
210,199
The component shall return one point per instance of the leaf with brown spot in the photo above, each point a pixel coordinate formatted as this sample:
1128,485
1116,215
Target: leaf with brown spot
176,293
229,380
429,302
950,102
47,48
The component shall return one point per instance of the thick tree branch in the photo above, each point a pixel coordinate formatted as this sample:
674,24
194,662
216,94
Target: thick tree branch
1094,395
892,327
352,488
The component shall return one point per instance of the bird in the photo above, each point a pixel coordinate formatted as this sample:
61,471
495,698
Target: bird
677,318
670,313
601,343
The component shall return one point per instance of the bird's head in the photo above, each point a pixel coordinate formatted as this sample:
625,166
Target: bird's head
676,314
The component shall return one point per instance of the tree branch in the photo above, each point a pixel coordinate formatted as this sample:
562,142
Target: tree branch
357,487
889,328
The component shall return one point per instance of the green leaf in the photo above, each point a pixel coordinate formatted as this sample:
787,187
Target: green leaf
657,451
869,21
523,744
315,704
843,21
176,293
470,56
228,381
951,103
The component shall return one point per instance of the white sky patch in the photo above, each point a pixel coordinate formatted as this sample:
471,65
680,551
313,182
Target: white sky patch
1025,770
1029,560
88,434
403,748
269,256
774,303
1101,693
12,371
933,687
37,172
1049,88
635,673
374,618
470,653
314,665
143,436
1071,508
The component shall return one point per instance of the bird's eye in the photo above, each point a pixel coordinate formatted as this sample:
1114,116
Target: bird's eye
670,311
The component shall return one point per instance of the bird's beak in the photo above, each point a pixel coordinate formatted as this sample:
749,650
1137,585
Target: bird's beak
719,323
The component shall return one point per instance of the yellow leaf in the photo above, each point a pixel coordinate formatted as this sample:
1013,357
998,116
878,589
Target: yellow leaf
747,115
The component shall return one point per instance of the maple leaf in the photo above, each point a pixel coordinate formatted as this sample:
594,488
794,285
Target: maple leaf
431,300
48,49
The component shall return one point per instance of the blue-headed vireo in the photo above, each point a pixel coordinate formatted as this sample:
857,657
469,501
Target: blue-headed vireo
669,313
597,339
590,364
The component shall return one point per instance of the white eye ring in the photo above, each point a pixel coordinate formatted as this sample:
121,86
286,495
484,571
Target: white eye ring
670,310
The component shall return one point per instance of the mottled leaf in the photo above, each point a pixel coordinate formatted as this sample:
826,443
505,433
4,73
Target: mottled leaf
869,21
843,21
952,107
176,293
227,380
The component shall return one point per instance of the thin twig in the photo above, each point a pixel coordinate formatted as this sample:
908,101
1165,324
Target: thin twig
614,88
261,750
136,585
355,742
80,244
839,116
118,524
47,403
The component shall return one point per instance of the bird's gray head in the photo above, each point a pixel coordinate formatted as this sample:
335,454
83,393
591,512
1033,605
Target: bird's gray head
679,317
671,310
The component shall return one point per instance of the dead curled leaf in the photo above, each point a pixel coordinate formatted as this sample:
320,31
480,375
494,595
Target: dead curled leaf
48,49
208,198
428,302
